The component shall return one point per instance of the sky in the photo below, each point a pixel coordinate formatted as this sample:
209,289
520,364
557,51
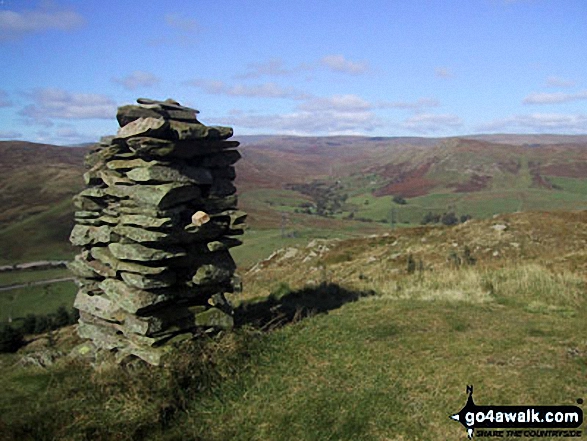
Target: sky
305,67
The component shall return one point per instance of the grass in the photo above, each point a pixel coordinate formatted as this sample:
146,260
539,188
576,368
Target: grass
39,237
14,277
43,299
378,368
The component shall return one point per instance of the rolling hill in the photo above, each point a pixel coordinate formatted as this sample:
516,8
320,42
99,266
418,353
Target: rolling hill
315,186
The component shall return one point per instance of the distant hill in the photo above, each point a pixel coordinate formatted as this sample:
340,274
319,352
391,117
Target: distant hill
34,177
327,183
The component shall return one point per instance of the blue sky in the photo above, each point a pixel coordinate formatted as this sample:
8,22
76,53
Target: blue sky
374,68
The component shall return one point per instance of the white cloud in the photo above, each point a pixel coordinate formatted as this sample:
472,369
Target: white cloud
4,99
14,24
52,103
335,115
9,134
554,98
413,105
265,90
137,79
430,123
336,103
559,82
443,72
540,122
339,63
273,67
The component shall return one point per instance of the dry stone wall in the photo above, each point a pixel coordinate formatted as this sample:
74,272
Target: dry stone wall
155,225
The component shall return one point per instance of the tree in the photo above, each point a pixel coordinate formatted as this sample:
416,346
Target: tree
29,323
61,318
10,339
449,219
399,200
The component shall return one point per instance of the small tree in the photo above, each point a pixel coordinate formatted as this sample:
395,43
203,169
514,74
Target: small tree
10,339
449,219
29,323
410,264
468,258
61,318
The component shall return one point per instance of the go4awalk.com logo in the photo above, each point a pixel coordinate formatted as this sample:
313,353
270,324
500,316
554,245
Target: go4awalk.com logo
519,421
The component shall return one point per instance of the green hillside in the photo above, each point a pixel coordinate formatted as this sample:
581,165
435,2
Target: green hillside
344,340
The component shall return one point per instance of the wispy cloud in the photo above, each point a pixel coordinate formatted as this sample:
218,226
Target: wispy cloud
336,103
334,115
265,90
540,122
4,99
137,79
559,82
338,63
276,67
182,31
431,123
418,105
273,67
14,25
10,134
554,98
50,103
443,72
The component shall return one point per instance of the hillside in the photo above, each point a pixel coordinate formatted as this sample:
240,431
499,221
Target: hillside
344,340
305,187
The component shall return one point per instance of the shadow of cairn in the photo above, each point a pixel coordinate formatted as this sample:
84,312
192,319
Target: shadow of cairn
285,306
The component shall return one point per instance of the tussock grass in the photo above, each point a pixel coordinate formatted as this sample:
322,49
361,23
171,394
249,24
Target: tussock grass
532,286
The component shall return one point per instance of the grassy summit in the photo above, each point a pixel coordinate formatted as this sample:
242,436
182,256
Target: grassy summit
347,340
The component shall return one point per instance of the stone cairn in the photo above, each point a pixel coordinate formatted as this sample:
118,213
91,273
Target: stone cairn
155,225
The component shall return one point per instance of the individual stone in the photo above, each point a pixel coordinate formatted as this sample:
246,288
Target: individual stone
223,159
112,178
98,305
141,253
130,113
172,316
160,174
223,244
128,164
165,196
222,187
100,336
216,204
180,130
152,127
104,255
131,299
79,266
142,235
227,172
199,218
214,318
148,222
163,280
87,214
87,235
145,146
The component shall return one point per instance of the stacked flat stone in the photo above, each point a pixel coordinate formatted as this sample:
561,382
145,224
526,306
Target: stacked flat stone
155,225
